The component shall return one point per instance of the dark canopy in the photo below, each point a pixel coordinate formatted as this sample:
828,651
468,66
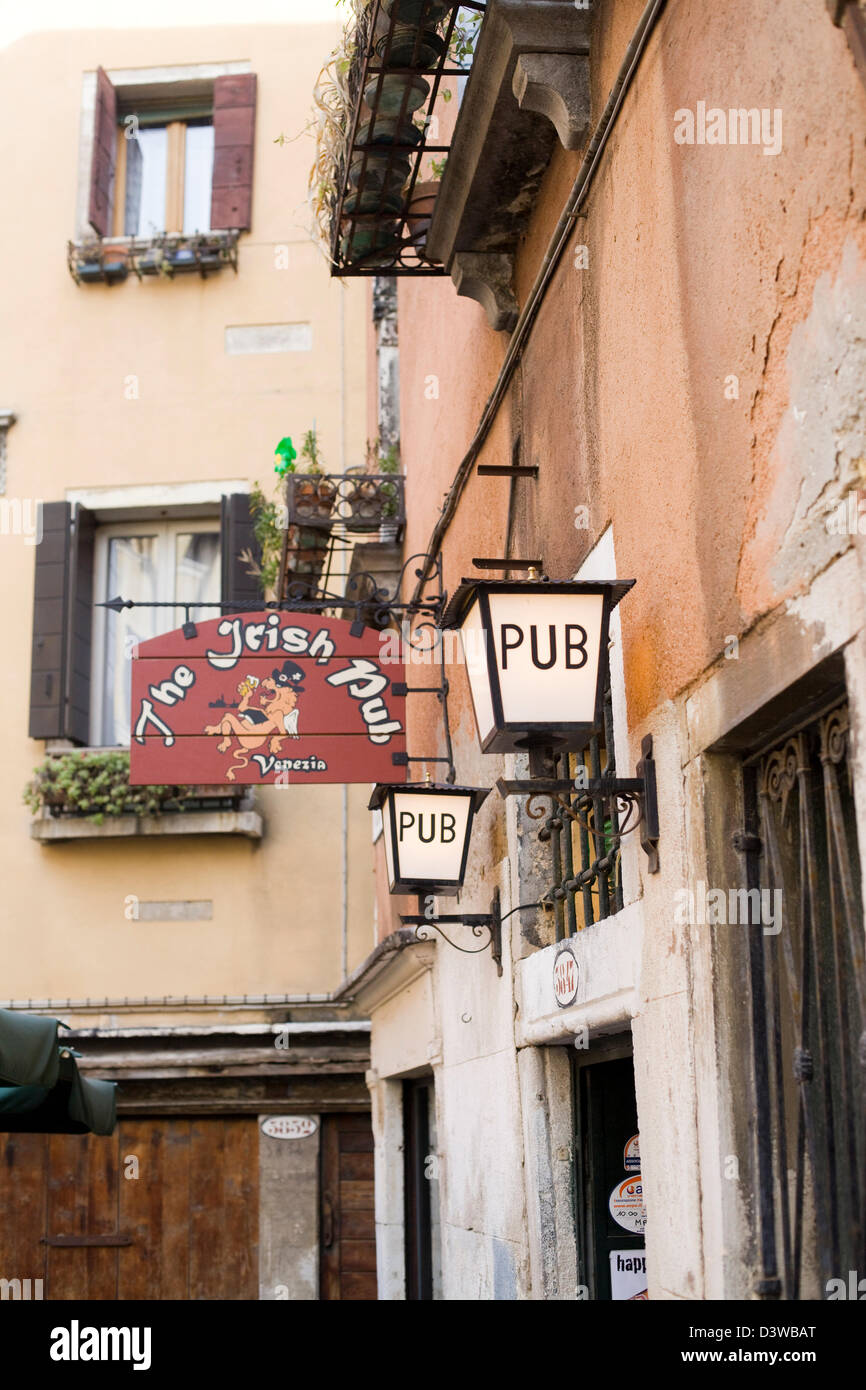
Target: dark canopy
41,1090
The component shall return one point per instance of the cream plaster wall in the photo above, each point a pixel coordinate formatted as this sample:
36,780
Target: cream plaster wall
67,357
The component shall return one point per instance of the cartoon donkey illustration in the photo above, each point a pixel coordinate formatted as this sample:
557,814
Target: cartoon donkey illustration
253,726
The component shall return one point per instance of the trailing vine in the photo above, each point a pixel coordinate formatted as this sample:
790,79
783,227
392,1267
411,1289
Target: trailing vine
96,785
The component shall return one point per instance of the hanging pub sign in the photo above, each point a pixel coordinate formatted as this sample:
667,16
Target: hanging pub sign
268,697
427,828
536,657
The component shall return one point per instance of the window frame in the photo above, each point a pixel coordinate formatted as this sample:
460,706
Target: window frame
172,83
175,175
165,528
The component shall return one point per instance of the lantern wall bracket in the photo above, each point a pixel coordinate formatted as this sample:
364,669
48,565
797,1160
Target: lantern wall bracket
637,796
479,922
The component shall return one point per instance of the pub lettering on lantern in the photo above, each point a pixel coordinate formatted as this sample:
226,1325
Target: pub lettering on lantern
264,697
572,652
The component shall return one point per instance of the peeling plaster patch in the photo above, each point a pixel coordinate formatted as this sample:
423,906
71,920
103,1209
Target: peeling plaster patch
819,451
504,1274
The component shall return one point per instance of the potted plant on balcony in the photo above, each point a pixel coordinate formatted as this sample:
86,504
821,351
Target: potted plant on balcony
313,493
115,262
389,463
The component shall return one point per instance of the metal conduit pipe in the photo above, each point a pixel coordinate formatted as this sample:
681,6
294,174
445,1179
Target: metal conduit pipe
556,247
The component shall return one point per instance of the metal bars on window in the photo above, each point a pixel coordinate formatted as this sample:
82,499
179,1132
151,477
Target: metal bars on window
808,1007
583,831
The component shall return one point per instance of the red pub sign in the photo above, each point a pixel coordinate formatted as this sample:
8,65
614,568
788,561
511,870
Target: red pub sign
265,697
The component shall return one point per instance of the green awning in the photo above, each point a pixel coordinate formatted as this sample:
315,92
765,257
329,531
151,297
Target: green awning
48,1095
29,1050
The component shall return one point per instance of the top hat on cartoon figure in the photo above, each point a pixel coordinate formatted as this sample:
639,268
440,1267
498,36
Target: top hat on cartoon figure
291,674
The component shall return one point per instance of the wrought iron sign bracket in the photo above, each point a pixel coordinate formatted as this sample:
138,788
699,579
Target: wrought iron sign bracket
636,796
479,922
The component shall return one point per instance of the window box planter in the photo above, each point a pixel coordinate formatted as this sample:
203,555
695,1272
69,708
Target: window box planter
151,262
50,830
191,810
95,263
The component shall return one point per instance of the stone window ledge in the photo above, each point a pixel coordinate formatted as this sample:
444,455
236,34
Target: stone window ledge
50,829
528,88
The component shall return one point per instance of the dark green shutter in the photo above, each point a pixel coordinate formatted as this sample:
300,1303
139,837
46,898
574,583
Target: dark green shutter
238,586
62,621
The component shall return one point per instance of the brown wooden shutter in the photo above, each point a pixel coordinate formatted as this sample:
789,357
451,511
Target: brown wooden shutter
80,620
62,620
102,160
237,534
234,120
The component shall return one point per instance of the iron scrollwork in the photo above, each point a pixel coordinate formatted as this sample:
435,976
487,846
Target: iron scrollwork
479,922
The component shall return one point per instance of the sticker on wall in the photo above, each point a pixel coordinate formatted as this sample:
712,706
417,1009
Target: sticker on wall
628,1274
289,1126
565,977
626,1205
631,1156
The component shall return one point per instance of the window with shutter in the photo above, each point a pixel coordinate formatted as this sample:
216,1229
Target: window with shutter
172,158
79,667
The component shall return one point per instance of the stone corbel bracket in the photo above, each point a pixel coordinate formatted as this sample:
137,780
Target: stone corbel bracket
557,86
486,276
529,85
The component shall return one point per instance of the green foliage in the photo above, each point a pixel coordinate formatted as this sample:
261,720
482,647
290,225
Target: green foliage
437,167
96,785
269,524
385,461
465,36
311,452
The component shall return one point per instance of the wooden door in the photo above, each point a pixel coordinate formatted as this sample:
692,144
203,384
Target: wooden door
163,1209
348,1223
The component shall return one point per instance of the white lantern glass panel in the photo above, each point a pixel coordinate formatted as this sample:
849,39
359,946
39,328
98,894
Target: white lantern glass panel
389,844
473,641
430,835
548,648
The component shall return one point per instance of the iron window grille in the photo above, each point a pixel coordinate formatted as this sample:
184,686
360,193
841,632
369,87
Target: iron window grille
582,829
808,1008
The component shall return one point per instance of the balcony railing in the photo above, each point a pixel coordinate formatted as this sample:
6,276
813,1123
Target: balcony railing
382,205
357,502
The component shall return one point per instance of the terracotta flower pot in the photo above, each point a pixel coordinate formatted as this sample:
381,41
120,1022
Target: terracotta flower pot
419,214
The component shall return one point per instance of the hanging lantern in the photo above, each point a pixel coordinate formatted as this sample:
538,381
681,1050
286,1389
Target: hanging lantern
536,656
427,827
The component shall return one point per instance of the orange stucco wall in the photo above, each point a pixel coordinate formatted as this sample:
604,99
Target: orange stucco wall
706,263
